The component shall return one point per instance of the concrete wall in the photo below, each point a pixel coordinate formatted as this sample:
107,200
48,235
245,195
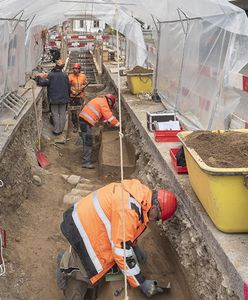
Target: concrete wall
17,156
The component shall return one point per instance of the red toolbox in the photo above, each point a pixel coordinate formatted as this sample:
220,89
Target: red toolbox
167,135
178,169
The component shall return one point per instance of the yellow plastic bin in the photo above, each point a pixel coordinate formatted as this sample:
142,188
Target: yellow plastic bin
223,192
140,80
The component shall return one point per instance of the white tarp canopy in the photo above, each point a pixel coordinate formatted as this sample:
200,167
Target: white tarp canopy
201,45
195,56
52,12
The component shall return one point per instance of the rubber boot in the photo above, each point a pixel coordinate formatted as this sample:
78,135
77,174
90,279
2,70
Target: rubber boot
60,276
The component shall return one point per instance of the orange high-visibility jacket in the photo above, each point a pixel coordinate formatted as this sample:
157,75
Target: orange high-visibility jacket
76,83
98,109
94,228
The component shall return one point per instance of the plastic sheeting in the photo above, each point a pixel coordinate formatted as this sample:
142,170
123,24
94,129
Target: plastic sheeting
4,46
193,69
53,12
122,22
34,47
197,66
16,54
220,13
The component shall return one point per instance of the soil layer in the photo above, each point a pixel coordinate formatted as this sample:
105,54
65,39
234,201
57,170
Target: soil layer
220,150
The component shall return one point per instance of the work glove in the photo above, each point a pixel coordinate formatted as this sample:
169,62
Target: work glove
140,255
150,288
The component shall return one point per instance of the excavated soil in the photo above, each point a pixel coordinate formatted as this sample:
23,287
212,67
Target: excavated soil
139,70
220,150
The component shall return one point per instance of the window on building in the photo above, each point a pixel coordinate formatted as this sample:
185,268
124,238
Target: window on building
81,23
96,24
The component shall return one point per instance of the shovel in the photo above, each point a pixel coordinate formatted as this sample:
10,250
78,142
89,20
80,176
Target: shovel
40,156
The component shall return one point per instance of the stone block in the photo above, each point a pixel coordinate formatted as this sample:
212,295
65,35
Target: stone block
71,199
73,179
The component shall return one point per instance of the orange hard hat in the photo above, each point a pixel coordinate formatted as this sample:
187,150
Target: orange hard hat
112,99
60,62
76,66
167,202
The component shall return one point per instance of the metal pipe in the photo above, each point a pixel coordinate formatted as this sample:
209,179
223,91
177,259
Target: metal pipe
31,21
180,20
17,22
157,59
11,19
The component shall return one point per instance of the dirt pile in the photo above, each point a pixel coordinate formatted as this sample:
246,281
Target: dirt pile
139,70
221,150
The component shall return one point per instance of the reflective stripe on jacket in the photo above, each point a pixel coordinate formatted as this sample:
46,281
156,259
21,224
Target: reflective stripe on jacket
96,110
76,83
94,228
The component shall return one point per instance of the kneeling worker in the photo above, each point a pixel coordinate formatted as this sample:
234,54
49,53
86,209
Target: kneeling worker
93,227
94,111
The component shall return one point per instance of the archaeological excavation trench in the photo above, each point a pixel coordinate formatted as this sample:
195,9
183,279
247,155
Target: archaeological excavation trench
32,207
33,224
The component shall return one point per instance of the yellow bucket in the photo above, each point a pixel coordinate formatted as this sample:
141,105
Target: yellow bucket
223,192
140,82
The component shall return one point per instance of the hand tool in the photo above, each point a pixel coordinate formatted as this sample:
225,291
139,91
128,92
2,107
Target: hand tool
118,291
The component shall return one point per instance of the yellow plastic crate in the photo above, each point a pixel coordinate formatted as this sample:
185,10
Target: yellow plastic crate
223,192
140,83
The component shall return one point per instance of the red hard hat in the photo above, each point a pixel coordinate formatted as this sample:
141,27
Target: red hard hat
76,66
168,204
112,98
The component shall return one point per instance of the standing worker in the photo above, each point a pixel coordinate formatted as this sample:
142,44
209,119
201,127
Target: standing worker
94,111
78,82
58,89
94,229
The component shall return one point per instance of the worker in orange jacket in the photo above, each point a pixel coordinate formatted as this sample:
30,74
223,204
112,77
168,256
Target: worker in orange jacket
77,82
97,109
94,229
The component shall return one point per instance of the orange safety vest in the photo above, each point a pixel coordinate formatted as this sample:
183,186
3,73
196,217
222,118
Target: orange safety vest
96,110
94,228
76,83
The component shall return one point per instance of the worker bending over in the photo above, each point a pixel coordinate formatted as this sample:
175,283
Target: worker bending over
94,111
78,83
94,229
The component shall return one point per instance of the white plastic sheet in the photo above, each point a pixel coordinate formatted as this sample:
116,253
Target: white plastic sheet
33,47
195,61
193,72
4,46
16,57
196,67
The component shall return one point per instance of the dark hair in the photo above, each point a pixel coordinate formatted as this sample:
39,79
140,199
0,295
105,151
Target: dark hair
155,199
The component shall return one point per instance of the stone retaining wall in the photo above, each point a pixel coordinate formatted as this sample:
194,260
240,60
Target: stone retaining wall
18,157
